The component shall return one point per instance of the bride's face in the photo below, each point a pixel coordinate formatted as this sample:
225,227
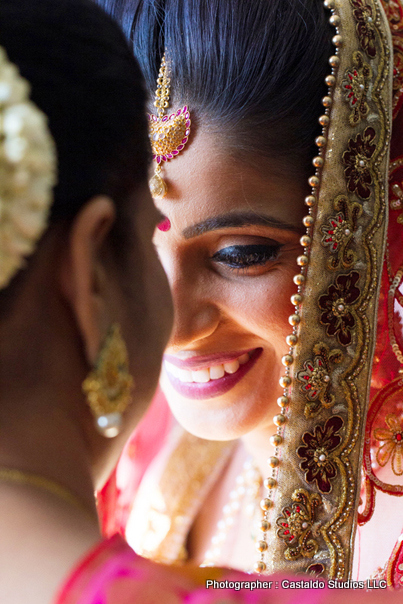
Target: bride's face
230,256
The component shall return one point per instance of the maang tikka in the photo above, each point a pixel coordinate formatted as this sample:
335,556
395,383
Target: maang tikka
168,134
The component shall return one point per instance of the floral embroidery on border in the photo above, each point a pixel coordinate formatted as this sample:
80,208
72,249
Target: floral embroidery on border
394,13
339,232
392,447
295,525
365,27
316,454
397,71
357,160
337,307
356,84
396,187
316,381
315,569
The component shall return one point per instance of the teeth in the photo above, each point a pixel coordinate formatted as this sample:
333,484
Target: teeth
202,376
217,372
182,374
232,366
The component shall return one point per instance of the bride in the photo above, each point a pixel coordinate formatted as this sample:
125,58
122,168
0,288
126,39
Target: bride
273,393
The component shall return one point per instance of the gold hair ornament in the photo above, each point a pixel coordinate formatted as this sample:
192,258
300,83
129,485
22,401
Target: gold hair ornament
168,134
109,386
27,171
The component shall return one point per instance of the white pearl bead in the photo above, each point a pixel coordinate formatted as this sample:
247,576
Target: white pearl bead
322,457
109,425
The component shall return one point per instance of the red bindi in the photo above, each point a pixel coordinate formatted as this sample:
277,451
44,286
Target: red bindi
165,225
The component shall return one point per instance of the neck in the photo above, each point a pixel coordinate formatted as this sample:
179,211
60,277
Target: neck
257,444
54,449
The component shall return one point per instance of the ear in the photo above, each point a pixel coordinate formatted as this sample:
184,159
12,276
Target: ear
84,279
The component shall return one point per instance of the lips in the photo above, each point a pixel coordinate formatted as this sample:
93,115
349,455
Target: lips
205,377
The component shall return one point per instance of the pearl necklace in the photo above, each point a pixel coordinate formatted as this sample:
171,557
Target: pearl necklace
247,487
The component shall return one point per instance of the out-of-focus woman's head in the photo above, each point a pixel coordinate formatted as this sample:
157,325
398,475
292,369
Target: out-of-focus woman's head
95,264
84,78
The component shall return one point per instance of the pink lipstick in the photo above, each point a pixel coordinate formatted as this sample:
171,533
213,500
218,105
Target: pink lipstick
209,376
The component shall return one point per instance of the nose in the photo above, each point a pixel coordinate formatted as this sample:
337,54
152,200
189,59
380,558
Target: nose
196,314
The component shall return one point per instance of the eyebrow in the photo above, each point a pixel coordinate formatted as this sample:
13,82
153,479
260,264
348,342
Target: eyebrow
236,219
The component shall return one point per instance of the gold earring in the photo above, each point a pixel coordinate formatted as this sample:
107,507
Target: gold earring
109,385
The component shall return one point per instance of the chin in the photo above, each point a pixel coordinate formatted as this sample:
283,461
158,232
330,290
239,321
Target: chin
221,420
243,402
220,430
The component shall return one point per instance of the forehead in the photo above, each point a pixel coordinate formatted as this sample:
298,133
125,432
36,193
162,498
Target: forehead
205,181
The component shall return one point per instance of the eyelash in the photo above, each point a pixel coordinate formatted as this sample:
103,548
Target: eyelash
242,257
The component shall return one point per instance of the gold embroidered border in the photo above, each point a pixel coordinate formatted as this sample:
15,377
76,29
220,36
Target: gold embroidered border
356,167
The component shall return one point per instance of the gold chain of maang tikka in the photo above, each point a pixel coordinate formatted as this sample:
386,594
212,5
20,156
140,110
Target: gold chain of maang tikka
168,134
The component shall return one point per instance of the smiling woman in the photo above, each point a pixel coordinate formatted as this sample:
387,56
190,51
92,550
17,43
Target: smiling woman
230,255
268,87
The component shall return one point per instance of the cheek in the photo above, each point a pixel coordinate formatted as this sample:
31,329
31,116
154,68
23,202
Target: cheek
262,305
255,312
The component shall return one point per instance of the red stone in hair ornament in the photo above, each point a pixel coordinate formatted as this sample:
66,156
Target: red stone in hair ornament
168,135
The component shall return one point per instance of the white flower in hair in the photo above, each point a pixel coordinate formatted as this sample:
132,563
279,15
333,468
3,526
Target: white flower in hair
27,171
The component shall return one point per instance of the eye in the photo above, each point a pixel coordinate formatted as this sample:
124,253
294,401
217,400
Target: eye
245,256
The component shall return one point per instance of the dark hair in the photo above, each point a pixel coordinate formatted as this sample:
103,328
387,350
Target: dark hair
251,70
84,78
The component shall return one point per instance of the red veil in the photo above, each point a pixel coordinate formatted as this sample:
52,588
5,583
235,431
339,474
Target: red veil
383,444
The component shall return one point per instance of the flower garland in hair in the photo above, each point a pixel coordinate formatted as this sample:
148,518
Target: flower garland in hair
27,171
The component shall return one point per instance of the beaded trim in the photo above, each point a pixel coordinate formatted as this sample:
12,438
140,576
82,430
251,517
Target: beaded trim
318,448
